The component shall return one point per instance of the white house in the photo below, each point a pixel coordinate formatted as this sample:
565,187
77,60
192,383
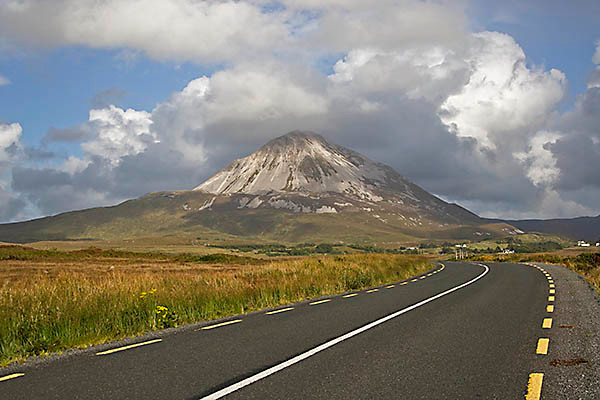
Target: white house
583,243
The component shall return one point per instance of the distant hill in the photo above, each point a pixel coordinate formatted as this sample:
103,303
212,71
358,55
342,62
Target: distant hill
581,228
297,187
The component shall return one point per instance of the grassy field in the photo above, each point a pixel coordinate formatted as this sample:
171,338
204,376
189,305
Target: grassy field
52,300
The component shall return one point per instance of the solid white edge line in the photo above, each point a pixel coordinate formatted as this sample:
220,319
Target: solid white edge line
270,371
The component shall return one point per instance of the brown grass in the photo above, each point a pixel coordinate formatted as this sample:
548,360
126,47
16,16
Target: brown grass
49,304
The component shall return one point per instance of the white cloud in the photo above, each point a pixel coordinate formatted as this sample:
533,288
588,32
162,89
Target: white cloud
74,165
118,133
242,96
204,31
504,101
10,147
10,135
539,160
342,25
430,73
596,57
4,80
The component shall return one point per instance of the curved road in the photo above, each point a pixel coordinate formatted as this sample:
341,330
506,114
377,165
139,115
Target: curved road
465,331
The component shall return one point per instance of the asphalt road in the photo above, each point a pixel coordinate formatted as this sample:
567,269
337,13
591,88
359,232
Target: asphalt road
464,332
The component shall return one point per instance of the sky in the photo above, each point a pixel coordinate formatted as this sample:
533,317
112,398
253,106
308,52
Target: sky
492,105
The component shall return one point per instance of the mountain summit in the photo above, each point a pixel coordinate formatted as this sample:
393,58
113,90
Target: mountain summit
300,162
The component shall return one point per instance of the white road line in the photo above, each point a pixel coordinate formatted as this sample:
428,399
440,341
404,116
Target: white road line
270,371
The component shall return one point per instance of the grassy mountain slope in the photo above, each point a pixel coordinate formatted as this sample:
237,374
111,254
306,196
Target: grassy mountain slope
185,214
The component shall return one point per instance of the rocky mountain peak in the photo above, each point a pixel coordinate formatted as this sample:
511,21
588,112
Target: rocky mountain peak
299,162
302,172
295,139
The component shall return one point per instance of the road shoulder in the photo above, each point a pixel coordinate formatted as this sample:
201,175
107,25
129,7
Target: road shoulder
572,369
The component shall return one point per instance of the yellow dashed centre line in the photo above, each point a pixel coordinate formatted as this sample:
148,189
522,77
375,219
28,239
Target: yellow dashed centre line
550,298
390,286
552,285
11,376
547,324
279,311
423,277
350,295
542,346
414,280
550,308
552,291
403,283
534,387
372,290
235,321
319,302
131,346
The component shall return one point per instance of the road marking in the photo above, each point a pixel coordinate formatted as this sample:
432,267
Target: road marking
314,303
550,308
350,295
423,277
552,291
414,280
550,298
11,376
552,285
372,290
131,346
403,283
547,324
235,321
542,346
534,386
270,371
430,274
279,311
391,286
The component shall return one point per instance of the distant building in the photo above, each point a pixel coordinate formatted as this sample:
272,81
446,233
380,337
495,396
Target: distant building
508,251
583,243
598,244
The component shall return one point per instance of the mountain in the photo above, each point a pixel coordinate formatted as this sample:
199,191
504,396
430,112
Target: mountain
297,187
580,228
302,172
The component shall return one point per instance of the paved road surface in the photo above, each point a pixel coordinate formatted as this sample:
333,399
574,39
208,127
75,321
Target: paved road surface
462,332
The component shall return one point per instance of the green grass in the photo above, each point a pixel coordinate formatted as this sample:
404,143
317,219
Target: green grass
80,305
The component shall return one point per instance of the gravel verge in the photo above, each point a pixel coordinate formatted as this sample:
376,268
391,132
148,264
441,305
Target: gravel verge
572,366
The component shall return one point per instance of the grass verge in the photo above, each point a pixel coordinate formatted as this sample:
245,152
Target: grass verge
585,264
50,304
